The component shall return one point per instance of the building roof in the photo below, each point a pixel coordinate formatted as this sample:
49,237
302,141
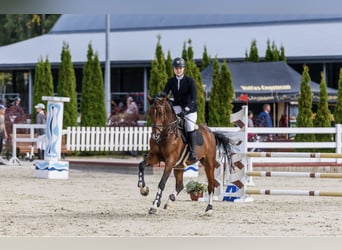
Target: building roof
266,82
73,23
310,38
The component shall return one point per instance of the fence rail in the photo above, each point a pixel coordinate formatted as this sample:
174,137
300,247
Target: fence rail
137,138
108,138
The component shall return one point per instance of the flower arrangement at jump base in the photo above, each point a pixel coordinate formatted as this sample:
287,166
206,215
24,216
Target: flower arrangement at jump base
196,189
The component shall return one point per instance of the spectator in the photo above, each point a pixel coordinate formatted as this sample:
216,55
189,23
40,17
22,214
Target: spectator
283,121
3,132
132,112
16,101
40,119
132,108
251,136
265,120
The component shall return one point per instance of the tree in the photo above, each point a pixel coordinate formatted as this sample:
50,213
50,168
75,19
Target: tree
304,117
67,87
338,107
323,115
206,60
15,28
158,74
268,53
226,83
273,54
253,55
168,63
282,56
221,96
193,71
214,103
43,83
93,111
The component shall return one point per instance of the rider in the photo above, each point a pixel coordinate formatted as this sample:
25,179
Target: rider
183,89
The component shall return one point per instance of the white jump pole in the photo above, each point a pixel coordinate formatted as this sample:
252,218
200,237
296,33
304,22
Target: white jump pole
293,155
293,192
294,174
51,167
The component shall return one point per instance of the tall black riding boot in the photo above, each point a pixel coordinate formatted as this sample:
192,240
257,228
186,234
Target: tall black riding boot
192,156
39,154
42,156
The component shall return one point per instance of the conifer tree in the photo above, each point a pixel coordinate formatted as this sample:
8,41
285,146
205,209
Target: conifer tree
206,60
269,54
253,53
227,95
282,56
158,74
193,71
100,116
338,107
168,63
43,83
275,52
221,96
67,87
323,115
185,52
304,117
214,103
92,100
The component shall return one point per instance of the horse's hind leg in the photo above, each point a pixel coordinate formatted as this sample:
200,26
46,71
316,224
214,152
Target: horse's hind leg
179,186
209,170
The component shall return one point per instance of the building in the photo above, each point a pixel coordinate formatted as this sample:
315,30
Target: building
308,39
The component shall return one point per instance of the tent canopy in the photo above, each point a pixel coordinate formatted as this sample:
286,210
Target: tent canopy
266,82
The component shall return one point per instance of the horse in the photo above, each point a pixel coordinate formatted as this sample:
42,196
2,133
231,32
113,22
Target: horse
168,145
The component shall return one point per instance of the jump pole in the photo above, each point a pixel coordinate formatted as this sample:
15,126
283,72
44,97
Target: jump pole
293,155
293,192
294,174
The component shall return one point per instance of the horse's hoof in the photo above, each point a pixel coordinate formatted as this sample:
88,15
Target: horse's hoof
144,191
165,206
152,210
209,209
172,197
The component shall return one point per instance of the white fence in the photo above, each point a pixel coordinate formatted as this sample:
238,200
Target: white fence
137,138
31,139
108,138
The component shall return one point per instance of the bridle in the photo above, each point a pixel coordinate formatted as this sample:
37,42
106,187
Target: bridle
165,127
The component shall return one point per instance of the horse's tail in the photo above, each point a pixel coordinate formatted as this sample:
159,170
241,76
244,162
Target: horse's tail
224,146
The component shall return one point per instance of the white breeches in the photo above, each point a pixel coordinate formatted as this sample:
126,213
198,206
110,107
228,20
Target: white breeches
190,119
41,142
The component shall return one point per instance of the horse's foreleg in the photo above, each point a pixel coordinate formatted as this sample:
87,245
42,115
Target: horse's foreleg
161,187
179,186
141,180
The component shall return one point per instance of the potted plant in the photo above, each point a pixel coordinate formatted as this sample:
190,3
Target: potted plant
195,189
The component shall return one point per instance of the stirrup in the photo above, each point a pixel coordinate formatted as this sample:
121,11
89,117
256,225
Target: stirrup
192,158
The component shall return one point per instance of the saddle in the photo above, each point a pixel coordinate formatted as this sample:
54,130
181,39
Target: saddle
181,125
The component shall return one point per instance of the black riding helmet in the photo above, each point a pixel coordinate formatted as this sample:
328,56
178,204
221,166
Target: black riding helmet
178,62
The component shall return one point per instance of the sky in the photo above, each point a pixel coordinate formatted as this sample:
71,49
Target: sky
171,6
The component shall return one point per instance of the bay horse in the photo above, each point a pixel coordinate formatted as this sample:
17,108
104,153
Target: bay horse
168,145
